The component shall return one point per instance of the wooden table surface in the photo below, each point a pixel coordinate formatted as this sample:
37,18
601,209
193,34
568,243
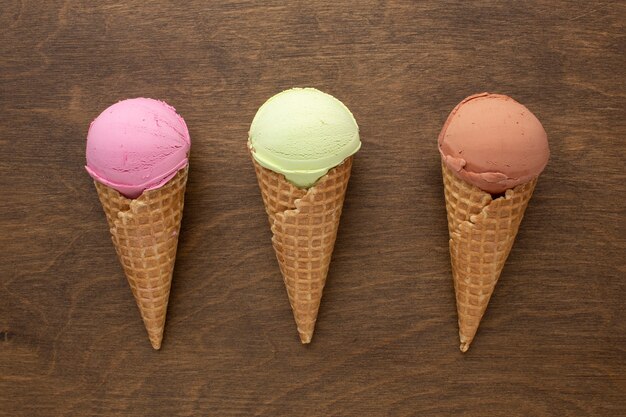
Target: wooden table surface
553,341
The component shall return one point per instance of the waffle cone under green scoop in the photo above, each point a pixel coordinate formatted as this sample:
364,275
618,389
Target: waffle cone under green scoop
304,224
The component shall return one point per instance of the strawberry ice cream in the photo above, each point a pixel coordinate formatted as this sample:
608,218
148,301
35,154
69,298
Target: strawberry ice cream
136,145
493,142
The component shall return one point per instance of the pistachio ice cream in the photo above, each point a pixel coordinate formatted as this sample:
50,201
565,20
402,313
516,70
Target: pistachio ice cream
302,133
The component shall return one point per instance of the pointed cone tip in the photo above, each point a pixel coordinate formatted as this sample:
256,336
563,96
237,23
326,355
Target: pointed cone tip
156,344
305,338
464,346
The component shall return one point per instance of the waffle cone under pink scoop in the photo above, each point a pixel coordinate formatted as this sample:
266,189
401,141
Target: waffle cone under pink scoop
304,224
145,235
482,231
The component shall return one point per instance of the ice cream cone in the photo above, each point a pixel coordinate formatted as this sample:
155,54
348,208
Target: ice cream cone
304,224
482,231
145,234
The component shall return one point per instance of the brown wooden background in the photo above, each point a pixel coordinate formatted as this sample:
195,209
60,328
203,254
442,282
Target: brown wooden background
553,341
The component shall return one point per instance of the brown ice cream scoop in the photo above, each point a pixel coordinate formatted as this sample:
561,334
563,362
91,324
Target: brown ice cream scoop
493,142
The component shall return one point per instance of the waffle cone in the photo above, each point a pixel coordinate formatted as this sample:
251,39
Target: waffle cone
304,224
482,231
145,235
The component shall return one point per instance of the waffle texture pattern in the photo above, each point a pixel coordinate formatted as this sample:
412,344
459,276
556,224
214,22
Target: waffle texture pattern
145,235
304,224
482,231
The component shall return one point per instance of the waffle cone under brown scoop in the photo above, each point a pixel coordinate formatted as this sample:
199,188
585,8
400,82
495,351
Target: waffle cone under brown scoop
482,231
145,234
304,223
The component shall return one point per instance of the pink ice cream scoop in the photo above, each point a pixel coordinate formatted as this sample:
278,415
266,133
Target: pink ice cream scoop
137,144
493,142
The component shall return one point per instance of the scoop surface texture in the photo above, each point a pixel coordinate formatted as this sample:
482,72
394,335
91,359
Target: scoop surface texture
136,145
493,142
302,133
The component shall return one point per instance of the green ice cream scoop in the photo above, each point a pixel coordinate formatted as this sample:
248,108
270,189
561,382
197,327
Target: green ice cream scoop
302,133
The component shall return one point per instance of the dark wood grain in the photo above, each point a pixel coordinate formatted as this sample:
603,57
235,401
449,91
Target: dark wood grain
553,341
